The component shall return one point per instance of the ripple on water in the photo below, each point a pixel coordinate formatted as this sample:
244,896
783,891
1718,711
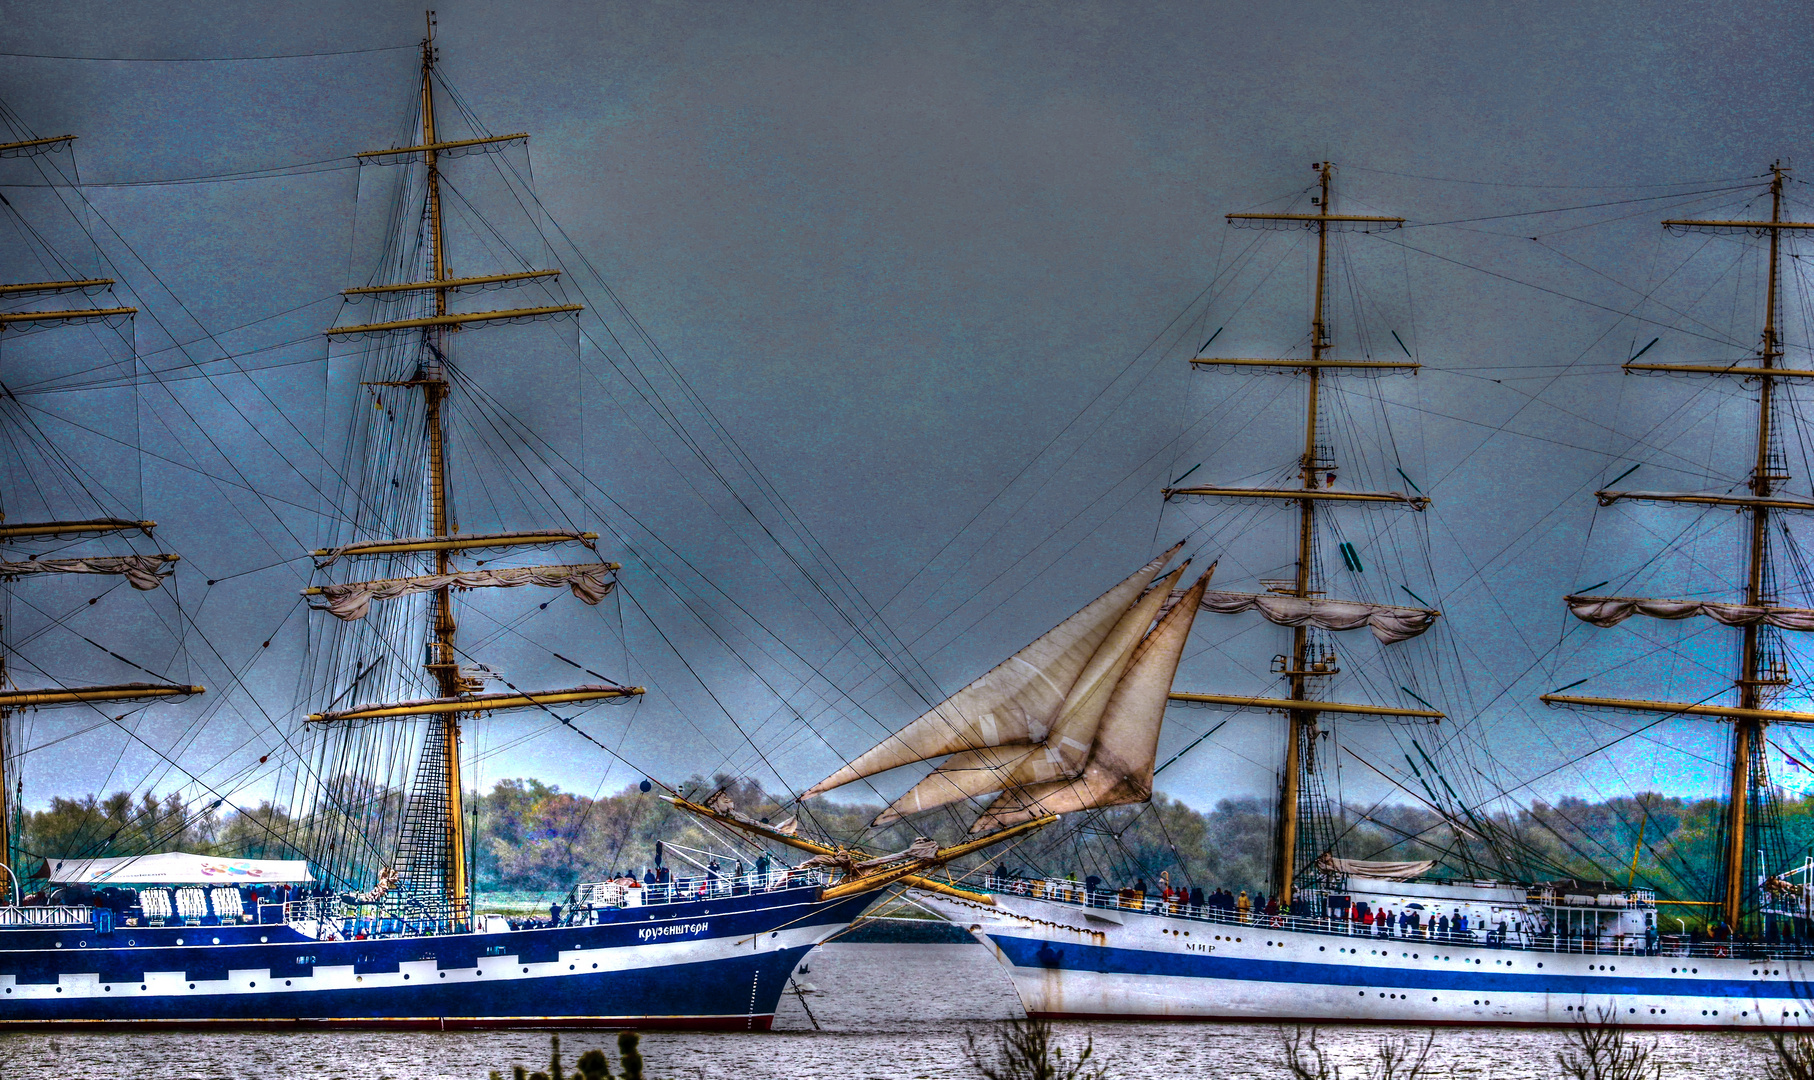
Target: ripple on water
889,1012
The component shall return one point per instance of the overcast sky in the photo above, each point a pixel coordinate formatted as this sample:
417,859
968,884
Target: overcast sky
937,268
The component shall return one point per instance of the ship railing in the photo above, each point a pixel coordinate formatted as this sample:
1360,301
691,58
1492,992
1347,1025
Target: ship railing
315,909
625,893
11,915
1525,938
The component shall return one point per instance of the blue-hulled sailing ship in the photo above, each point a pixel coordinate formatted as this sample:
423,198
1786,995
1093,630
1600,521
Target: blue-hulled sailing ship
375,921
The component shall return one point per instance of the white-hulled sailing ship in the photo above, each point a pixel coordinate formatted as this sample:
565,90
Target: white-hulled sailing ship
1071,723
376,923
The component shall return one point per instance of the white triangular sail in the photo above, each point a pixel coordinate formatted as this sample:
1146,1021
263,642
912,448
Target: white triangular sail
969,775
1120,768
1062,753
1016,701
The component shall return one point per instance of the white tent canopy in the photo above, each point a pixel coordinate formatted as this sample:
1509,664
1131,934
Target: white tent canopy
176,868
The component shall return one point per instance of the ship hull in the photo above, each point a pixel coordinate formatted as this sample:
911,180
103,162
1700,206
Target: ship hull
720,963
1073,962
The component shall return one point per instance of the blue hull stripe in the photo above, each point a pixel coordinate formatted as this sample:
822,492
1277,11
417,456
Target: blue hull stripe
1035,953
744,974
718,988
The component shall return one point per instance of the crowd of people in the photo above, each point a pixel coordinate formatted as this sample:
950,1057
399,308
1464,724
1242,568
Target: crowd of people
659,885
1410,920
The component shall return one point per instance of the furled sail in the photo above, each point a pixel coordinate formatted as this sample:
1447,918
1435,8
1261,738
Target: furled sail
591,582
1390,871
1390,624
144,572
1612,610
1016,701
1121,763
1066,746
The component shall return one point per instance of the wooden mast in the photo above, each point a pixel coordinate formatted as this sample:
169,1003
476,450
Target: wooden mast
11,701
1300,724
1759,671
1748,732
434,848
1301,666
444,663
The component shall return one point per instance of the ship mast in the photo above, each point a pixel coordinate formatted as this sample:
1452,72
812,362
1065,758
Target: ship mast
1760,670
1748,732
433,854
443,665
1303,667
145,571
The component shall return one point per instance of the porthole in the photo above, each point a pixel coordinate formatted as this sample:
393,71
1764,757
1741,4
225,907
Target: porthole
594,967
444,974
129,941
141,987
570,967
109,989
81,944
405,978
262,939
59,989
217,941
191,986
255,984
179,941
525,971
286,982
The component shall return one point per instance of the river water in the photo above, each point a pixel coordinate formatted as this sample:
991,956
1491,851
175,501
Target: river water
899,1012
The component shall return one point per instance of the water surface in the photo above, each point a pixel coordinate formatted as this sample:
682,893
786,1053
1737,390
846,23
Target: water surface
891,1012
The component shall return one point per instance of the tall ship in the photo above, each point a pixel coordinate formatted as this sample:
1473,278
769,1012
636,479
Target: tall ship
371,917
1071,724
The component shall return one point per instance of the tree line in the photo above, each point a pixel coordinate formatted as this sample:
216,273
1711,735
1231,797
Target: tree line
534,837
